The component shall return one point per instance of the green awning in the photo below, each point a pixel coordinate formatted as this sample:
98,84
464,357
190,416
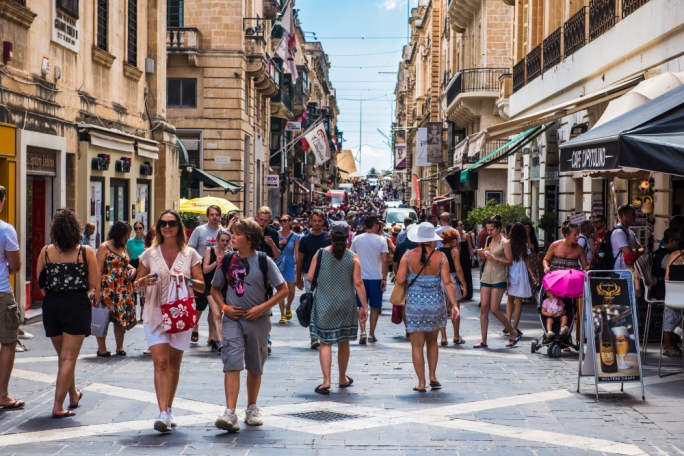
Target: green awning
183,157
211,181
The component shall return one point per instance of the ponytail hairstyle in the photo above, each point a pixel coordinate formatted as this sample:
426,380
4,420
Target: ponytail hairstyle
339,244
567,227
495,221
518,241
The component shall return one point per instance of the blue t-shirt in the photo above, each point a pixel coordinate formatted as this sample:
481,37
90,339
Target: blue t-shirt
8,243
309,245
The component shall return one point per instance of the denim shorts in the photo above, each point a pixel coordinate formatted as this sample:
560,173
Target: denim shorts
502,285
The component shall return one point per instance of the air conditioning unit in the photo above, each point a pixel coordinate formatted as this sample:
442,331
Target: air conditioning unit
100,163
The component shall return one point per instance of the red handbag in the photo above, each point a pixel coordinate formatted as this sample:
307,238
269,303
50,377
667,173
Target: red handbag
179,313
397,314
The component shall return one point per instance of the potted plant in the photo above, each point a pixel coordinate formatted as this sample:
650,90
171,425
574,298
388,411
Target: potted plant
190,221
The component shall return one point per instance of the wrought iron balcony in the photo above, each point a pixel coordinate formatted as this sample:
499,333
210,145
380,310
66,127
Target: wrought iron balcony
181,39
602,16
254,27
283,98
533,63
474,80
489,147
551,49
519,75
575,31
629,6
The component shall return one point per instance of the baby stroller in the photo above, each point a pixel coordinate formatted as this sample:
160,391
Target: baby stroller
555,344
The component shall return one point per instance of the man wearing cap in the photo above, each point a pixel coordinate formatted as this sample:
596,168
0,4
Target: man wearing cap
372,251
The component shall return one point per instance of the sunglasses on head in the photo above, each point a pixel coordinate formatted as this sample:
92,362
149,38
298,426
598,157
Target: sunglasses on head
169,223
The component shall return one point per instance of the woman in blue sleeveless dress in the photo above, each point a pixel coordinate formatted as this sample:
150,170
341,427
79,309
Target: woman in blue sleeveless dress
426,271
287,263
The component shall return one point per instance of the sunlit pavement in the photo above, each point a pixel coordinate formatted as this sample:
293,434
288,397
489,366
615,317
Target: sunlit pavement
504,400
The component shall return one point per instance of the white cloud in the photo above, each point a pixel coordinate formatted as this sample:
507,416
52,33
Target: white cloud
391,4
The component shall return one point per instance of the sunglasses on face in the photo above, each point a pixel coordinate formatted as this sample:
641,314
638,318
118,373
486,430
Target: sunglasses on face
169,223
139,229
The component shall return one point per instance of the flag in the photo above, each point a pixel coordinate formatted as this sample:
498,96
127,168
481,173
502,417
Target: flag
318,144
333,143
288,43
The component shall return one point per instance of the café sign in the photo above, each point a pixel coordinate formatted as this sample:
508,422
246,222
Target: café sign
41,162
589,158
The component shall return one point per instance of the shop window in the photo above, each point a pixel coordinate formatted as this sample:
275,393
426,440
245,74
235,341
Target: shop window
496,196
118,200
102,23
132,43
142,203
181,93
174,13
96,214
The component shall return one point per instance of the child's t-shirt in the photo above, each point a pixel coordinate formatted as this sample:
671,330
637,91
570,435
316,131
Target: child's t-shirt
553,306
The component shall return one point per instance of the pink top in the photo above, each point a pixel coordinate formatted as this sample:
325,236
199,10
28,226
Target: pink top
553,306
158,294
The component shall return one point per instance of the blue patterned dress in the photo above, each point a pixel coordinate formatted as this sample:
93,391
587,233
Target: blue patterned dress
334,316
425,305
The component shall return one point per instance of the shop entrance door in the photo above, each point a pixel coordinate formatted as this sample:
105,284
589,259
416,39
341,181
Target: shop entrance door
118,199
38,205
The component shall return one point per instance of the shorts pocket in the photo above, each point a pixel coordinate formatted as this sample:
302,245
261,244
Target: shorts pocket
12,317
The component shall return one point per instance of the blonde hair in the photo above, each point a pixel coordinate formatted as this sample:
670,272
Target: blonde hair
181,237
265,210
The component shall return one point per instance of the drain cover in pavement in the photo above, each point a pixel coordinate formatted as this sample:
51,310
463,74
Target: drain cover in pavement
324,416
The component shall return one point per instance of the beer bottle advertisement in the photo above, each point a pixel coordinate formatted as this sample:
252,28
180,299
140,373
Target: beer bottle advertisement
614,329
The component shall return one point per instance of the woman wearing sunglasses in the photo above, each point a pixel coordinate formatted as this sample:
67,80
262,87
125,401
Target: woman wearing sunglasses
169,258
135,247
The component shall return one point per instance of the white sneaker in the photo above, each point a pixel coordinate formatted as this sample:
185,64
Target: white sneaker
172,419
253,416
147,352
19,348
162,424
228,421
25,335
564,330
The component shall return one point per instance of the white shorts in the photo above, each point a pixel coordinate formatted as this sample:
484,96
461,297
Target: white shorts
179,341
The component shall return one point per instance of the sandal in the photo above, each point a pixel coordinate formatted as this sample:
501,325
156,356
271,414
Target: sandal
480,345
512,342
419,390
67,414
320,390
435,385
78,402
194,338
288,314
672,351
121,353
282,320
460,341
105,354
444,343
16,405
348,383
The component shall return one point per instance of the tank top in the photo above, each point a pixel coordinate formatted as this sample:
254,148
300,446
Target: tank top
61,277
209,276
495,272
447,253
464,252
677,268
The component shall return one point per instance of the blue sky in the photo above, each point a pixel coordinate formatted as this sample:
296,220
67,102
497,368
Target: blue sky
334,21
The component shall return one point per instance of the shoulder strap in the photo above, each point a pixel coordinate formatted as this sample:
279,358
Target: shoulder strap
47,258
319,256
263,267
225,262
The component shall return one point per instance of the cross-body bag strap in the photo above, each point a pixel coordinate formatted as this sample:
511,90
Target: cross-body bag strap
314,284
421,269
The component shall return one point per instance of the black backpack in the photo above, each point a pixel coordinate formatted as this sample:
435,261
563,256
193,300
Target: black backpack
605,259
263,267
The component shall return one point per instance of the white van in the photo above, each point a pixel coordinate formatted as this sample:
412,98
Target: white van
398,215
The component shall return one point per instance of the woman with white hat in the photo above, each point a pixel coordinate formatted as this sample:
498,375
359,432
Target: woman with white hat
426,312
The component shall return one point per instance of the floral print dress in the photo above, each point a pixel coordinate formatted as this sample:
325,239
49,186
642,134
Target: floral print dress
117,291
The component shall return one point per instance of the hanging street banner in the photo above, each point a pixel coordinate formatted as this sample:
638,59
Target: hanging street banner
318,144
416,190
434,142
400,156
421,147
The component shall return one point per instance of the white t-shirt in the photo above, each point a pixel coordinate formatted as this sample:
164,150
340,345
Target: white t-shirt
618,240
587,244
441,229
370,247
202,238
8,243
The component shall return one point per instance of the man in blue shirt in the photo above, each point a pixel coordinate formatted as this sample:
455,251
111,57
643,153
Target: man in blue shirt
408,221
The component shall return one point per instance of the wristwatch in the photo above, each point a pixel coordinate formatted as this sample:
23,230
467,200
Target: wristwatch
190,281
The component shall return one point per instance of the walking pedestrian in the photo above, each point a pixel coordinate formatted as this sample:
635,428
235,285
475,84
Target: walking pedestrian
212,258
466,255
335,316
518,278
287,263
246,323
10,263
135,247
203,237
372,250
66,271
117,286
426,308
535,259
170,259
451,242
497,257
308,246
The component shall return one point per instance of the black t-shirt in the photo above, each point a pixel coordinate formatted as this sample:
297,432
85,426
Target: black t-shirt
402,248
273,234
658,273
309,245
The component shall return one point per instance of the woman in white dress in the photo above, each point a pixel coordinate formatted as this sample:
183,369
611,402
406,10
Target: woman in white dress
518,279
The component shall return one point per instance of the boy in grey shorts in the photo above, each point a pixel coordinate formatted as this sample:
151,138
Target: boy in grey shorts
246,323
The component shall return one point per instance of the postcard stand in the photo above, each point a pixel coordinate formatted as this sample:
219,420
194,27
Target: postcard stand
587,351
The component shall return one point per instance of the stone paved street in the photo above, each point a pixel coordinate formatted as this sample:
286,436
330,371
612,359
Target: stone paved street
504,400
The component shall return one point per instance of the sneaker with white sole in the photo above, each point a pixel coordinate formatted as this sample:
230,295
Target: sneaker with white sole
564,330
253,416
172,419
25,335
363,339
19,348
228,421
162,424
147,352
315,343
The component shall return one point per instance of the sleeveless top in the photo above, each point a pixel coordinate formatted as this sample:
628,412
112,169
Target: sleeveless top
677,268
465,253
562,263
495,272
61,277
209,276
447,253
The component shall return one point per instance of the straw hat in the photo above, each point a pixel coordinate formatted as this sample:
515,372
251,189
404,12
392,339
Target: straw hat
425,232
396,229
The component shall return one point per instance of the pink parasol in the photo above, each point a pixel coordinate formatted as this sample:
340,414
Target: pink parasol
566,283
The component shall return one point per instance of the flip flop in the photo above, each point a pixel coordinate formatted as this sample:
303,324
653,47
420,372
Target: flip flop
78,403
68,414
420,390
349,382
444,343
480,345
323,391
460,341
16,405
435,385
194,337
512,342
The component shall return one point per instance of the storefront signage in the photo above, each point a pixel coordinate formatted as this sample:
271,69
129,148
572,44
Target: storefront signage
590,158
535,160
293,126
551,175
434,142
41,162
223,160
272,181
65,26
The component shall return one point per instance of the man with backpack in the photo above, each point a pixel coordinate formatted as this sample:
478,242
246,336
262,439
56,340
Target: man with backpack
618,242
241,290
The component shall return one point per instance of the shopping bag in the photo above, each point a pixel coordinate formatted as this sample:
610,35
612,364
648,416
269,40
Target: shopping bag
101,316
179,313
398,296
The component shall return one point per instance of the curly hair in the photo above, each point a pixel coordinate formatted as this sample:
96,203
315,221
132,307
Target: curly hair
518,241
448,236
65,230
119,233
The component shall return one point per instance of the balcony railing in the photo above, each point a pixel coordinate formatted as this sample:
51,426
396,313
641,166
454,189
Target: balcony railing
181,39
629,6
19,2
552,49
474,80
518,75
575,31
489,147
254,27
299,97
533,63
284,98
602,16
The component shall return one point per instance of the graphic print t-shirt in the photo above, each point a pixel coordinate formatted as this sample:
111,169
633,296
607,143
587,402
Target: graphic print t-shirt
202,238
